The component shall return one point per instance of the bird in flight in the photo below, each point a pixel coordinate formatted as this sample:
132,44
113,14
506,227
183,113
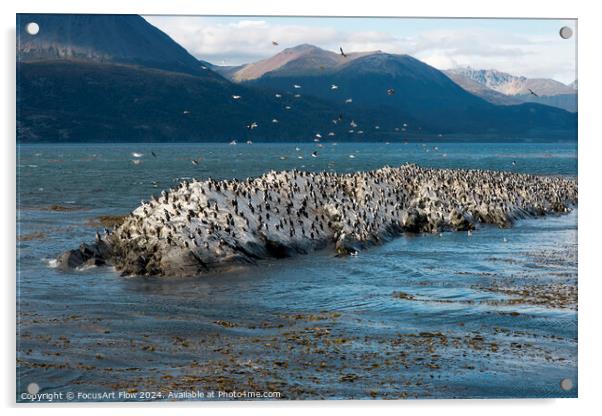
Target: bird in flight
390,91
532,93
342,53
154,154
274,43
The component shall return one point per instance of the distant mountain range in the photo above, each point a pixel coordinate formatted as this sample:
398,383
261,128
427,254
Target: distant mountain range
118,78
502,88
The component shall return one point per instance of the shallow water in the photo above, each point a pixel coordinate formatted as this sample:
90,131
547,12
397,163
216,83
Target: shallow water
450,315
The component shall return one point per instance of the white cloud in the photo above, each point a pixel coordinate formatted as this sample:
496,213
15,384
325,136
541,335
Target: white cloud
250,39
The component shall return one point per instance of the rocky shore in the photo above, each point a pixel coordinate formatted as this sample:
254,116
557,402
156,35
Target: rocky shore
200,226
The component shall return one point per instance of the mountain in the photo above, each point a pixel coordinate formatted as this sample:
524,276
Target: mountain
118,78
300,60
502,88
118,39
417,91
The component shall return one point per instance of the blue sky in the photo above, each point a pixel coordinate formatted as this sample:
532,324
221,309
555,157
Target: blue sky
529,47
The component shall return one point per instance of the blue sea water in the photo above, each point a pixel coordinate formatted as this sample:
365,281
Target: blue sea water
472,320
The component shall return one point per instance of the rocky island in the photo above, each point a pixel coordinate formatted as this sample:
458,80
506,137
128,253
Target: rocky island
200,226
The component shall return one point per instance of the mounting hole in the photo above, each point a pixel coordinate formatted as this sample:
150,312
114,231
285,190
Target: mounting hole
32,28
566,384
566,32
33,388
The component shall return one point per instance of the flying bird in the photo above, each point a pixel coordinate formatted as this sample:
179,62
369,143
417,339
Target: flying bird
195,162
532,93
252,126
342,53
314,153
274,43
154,154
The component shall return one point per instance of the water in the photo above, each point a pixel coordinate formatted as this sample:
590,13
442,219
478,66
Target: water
488,315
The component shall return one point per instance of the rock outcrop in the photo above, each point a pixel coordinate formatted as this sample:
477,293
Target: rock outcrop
200,226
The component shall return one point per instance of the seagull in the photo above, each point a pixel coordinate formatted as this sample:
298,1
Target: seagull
195,162
334,87
331,133
353,124
274,43
532,93
252,126
236,97
154,154
314,153
297,95
342,53
274,120
348,100
296,86
278,95
135,154
351,156
514,163
318,135
390,91
288,107
185,112
136,161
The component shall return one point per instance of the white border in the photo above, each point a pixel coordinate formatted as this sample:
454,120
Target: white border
590,137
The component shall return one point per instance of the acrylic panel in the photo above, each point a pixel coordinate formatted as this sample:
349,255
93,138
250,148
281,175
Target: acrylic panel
294,208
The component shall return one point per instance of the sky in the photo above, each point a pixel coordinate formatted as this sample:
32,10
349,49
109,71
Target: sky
527,47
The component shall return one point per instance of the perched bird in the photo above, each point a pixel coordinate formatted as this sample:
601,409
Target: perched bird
348,100
278,95
314,153
390,91
342,53
252,126
334,87
296,86
154,154
236,97
135,154
274,120
195,162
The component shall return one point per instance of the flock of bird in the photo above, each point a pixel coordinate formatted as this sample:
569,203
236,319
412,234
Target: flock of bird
201,225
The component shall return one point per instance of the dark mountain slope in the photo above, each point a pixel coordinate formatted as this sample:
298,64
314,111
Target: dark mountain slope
125,39
60,101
